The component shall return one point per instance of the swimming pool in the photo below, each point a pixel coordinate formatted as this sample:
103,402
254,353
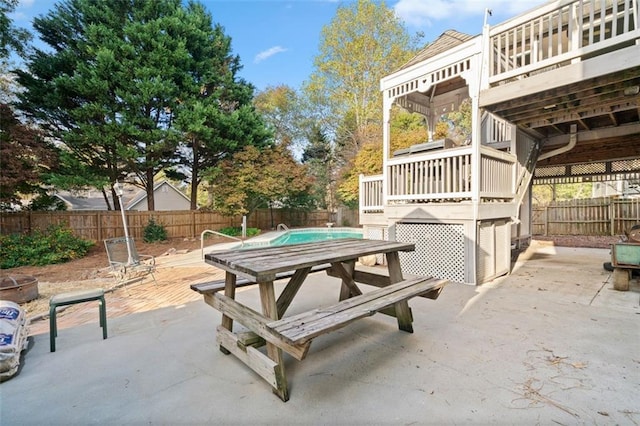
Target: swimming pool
299,236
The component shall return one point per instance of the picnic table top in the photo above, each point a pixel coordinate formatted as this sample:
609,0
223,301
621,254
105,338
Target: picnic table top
262,264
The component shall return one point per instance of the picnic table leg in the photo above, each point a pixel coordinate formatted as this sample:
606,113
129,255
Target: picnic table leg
270,310
229,291
346,288
290,290
403,312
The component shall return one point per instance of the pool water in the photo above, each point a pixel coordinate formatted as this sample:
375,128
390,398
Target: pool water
300,236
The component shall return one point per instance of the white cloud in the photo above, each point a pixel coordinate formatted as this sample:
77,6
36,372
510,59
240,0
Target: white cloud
265,54
421,13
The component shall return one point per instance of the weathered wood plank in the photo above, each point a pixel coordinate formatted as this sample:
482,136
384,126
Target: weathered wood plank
270,310
299,329
256,360
290,290
218,285
255,322
403,313
249,338
348,287
264,263
347,303
229,291
370,278
379,280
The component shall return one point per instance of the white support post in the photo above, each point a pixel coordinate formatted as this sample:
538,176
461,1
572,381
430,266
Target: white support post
244,227
117,187
387,103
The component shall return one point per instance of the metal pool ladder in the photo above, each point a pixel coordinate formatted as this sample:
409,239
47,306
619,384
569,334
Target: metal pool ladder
209,231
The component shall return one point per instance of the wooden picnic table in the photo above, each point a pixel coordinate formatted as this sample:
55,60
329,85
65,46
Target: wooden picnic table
293,334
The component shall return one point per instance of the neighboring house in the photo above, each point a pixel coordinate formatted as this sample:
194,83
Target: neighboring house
166,197
623,188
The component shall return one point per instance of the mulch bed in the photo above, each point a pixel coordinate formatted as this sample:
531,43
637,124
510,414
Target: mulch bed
579,240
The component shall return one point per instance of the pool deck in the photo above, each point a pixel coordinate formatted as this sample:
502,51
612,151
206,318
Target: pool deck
552,343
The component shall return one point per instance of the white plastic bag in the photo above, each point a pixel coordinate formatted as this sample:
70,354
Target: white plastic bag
13,337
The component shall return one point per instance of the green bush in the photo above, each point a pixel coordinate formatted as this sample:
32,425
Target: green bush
154,232
55,245
236,231
45,202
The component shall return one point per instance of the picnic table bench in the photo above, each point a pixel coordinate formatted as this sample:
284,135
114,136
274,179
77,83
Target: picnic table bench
294,334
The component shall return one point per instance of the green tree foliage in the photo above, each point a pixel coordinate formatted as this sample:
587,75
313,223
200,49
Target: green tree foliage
12,39
254,178
406,129
547,193
25,157
367,162
318,157
363,43
281,109
442,130
215,110
118,76
46,202
456,125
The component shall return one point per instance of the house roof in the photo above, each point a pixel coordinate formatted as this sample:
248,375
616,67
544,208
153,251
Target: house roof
83,200
142,195
446,41
92,199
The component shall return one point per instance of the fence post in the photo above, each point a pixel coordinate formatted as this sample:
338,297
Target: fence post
612,212
546,221
193,223
99,225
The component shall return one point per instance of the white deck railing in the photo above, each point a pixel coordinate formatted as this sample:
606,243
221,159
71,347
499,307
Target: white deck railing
497,174
558,33
371,194
495,130
442,176
435,176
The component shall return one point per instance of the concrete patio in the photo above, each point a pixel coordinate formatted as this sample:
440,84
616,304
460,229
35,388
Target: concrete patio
551,343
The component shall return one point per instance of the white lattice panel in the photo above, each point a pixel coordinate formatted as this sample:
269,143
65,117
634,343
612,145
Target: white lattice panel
439,250
377,234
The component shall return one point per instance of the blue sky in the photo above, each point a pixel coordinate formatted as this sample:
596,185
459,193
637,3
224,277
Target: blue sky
277,40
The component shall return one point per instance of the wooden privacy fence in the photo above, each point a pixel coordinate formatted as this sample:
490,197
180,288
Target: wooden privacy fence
595,216
99,225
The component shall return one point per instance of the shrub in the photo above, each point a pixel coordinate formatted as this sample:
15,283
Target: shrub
55,245
154,232
45,202
236,231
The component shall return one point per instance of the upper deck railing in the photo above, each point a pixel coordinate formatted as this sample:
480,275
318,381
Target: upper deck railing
559,33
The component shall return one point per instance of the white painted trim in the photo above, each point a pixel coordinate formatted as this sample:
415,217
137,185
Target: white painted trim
602,65
422,69
565,57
